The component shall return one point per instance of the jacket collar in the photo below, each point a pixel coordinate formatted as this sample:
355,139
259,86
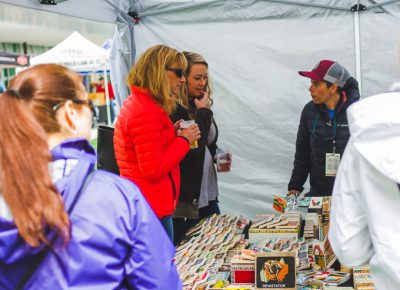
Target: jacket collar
135,89
73,149
80,150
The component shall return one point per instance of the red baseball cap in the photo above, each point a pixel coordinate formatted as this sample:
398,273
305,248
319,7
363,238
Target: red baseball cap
328,70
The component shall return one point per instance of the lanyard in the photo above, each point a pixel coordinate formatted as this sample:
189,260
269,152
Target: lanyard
324,138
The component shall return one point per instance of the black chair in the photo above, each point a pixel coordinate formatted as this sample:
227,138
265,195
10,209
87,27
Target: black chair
105,150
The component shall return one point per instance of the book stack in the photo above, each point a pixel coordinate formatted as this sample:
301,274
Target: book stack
315,204
278,245
323,280
362,278
336,278
200,258
280,203
338,288
312,226
303,201
233,287
326,211
321,254
289,203
275,226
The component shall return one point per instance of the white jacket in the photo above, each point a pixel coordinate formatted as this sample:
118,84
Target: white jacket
365,216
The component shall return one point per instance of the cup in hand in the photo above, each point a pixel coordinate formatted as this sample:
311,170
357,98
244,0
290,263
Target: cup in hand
186,124
222,161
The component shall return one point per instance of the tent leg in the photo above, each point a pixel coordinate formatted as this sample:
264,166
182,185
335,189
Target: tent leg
108,103
357,47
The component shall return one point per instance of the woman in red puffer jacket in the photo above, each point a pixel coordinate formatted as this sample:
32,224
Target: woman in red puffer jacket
148,147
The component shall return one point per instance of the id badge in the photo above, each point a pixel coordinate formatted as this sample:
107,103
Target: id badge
332,161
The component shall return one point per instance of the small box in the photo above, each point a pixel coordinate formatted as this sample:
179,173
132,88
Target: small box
257,236
243,272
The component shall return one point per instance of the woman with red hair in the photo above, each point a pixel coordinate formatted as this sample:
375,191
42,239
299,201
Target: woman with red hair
64,225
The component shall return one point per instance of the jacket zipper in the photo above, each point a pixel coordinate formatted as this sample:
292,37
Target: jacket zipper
173,188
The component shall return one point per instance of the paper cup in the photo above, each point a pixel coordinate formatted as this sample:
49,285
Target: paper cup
186,124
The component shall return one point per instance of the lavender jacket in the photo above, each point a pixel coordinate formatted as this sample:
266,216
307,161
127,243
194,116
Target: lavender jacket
117,242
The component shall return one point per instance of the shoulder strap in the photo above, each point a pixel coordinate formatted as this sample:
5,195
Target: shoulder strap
38,259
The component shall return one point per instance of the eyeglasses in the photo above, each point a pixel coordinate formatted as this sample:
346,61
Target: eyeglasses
178,71
88,103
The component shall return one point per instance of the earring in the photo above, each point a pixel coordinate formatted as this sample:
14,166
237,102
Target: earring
73,129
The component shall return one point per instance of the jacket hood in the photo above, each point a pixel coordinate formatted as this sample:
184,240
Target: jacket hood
375,130
12,247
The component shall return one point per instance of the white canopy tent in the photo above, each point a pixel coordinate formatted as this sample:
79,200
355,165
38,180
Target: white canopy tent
79,54
254,49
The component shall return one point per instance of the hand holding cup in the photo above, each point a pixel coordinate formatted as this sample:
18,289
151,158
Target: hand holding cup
190,130
177,125
224,161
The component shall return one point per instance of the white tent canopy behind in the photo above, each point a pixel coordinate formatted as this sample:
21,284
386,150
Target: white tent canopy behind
75,52
79,54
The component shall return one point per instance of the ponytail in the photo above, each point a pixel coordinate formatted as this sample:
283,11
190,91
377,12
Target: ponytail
25,181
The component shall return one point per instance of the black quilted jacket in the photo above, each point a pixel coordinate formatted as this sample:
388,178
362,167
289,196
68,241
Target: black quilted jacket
192,165
315,138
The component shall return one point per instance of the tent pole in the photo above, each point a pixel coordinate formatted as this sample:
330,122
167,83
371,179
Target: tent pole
107,95
357,49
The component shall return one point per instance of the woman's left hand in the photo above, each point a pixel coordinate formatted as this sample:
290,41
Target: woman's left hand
203,102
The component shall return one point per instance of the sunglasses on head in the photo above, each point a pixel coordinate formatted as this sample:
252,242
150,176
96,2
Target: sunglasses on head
178,71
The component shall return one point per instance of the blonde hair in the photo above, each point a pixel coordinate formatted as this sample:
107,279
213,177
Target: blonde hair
192,59
149,72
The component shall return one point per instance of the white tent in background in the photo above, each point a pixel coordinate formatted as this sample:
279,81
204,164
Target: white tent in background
79,54
75,52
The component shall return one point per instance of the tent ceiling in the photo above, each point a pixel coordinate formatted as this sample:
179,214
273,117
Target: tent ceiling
36,27
153,7
97,10
103,10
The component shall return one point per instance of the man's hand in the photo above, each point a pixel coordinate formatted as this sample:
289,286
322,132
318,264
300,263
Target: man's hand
293,191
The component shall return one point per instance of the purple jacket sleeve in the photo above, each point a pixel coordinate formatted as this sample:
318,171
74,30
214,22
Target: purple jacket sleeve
150,265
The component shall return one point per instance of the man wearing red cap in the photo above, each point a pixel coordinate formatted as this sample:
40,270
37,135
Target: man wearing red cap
323,131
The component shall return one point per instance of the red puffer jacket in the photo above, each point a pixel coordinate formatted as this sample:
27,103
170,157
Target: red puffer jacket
148,151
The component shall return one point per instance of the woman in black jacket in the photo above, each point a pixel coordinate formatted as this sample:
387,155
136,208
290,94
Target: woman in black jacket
199,190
